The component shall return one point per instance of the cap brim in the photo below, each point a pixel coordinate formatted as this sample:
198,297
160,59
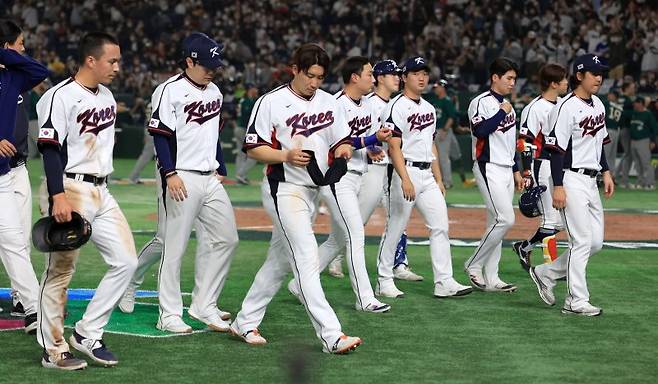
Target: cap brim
424,67
212,64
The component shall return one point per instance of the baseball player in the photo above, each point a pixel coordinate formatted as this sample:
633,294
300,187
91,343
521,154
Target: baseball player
185,125
285,122
151,253
18,74
493,121
534,126
76,138
614,109
243,163
415,182
347,231
577,137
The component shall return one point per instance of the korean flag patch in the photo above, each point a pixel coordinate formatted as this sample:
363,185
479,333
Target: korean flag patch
477,119
551,141
47,133
251,138
523,131
154,123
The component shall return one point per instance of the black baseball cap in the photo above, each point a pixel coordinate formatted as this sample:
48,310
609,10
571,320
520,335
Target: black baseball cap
415,64
590,63
206,51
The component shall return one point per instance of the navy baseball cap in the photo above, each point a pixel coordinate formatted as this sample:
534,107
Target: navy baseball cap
206,51
590,63
414,64
386,67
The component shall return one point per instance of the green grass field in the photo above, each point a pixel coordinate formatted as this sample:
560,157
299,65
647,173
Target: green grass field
481,338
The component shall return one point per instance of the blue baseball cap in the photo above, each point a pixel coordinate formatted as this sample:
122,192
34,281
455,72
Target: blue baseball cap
386,67
415,64
206,51
590,63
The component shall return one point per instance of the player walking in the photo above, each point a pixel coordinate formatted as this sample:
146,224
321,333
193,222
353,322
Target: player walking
534,126
577,137
76,139
493,123
185,126
416,182
286,122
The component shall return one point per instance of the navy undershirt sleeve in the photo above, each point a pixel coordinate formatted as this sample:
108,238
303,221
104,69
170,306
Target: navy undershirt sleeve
52,165
163,153
220,159
489,126
557,167
604,162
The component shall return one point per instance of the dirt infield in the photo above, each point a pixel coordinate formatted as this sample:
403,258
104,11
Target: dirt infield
469,223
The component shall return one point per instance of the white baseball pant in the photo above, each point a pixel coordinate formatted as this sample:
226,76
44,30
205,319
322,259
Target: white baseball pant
207,205
114,240
583,218
431,204
496,184
550,216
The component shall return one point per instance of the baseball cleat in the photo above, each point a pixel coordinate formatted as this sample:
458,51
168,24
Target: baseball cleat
389,291
95,349
343,345
127,302
451,288
17,309
403,272
586,309
476,279
212,320
500,286
173,324
242,180
252,336
31,324
545,293
374,307
336,268
226,316
524,256
65,361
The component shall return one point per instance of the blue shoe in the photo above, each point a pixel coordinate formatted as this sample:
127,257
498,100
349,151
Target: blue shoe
95,349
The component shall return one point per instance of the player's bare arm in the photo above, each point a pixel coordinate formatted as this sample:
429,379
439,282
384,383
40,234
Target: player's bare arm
436,170
519,182
608,185
395,153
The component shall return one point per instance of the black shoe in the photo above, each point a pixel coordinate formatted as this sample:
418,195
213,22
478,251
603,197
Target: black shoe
31,324
17,309
524,256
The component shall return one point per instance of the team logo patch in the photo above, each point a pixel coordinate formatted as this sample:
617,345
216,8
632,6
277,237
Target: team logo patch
154,123
251,138
47,133
476,120
551,141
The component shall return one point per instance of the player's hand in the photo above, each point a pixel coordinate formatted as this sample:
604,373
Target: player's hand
61,208
506,106
344,151
376,154
297,157
559,197
408,190
519,182
219,177
608,185
528,181
176,188
442,187
7,149
383,134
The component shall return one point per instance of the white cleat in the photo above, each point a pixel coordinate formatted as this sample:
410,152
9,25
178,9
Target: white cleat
586,309
127,302
545,293
173,324
374,306
336,267
252,336
212,320
403,272
389,291
451,288
476,279
500,286
343,345
226,316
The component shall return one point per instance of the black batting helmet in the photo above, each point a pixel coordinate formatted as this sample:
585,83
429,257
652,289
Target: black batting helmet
51,236
529,201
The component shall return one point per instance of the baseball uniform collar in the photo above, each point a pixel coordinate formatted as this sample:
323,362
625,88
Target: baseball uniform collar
495,94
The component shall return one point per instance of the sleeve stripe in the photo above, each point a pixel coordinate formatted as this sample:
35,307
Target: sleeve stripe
49,123
557,117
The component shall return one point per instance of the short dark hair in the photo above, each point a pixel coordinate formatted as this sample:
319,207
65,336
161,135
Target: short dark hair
309,55
551,73
9,32
92,44
353,65
501,66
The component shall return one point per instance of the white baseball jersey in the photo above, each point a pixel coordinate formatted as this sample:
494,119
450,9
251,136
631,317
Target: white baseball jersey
81,121
534,122
283,119
415,122
190,114
578,129
499,147
378,105
361,120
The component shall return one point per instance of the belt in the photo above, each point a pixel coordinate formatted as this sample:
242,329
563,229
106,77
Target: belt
16,162
418,164
87,178
203,173
355,172
585,171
